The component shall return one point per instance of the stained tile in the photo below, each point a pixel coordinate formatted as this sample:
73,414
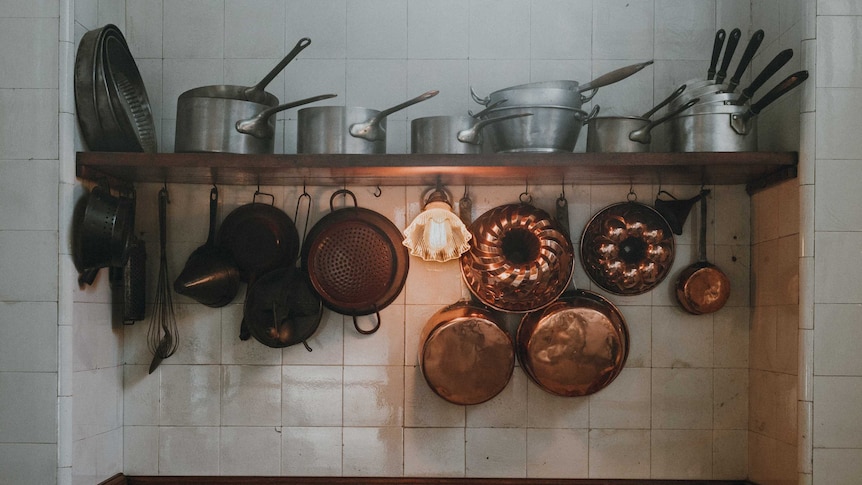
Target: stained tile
681,454
188,450
546,410
423,408
625,403
434,452
607,445
188,395
251,395
682,398
496,452
311,451
373,451
373,395
557,453
249,451
311,396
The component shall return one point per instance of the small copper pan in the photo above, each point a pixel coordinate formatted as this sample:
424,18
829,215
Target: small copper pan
464,354
702,287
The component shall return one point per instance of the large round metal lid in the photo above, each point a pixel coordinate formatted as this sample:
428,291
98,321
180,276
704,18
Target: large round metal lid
465,357
574,347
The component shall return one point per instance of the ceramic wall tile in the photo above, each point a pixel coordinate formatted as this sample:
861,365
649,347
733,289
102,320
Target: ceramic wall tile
311,395
733,13
29,8
251,395
624,30
181,75
24,463
833,207
187,396
236,351
560,29
378,84
200,338
188,450
434,452
771,459
373,451
681,339
112,12
730,394
607,445
557,453
629,97
311,451
423,408
546,410
30,54
248,72
489,75
731,337
250,451
805,379
323,21
682,30
837,114
437,29
836,329
838,67
449,77
25,323
140,449
639,322
28,407
681,454
254,29
838,7
804,438
837,421
29,137
194,29
764,212
682,398
729,454
306,77
327,343
98,404
367,40
625,403
140,396
838,466
143,31
508,37
373,395
383,347
834,272
508,409
496,452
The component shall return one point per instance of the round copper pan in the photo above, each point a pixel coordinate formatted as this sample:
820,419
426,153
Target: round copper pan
519,258
575,346
627,248
464,354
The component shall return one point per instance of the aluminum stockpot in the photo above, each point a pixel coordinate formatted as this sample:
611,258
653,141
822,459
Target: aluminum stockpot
466,357
713,128
550,129
350,130
451,134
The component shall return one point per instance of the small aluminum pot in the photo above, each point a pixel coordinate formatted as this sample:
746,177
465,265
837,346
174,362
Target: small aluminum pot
465,355
550,129
352,130
714,129
625,134
451,134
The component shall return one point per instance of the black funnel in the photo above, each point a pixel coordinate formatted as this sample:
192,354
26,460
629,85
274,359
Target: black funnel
675,211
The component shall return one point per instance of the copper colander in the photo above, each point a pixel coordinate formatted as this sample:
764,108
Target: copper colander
355,260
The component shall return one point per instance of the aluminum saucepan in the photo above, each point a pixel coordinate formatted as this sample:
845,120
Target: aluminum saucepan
550,129
451,134
339,129
233,119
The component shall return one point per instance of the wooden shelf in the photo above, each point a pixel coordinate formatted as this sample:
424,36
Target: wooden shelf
756,170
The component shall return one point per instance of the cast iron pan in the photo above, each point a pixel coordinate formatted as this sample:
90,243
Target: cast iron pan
355,261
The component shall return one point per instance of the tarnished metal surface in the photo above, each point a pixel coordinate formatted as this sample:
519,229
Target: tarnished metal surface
519,259
465,357
627,248
575,346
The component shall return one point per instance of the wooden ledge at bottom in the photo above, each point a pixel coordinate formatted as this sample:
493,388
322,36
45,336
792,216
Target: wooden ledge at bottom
121,479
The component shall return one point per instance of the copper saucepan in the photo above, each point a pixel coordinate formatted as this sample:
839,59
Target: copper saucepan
464,354
702,287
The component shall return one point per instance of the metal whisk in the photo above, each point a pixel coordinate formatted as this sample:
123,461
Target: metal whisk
162,335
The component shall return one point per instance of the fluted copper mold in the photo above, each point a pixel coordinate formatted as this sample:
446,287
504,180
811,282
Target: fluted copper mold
519,259
627,248
574,347
464,354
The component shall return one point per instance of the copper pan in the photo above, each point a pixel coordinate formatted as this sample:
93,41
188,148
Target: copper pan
465,355
519,259
702,287
627,248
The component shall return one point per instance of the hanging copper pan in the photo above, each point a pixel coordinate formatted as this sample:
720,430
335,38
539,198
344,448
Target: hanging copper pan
627,248
519,258
465,355
702,287
574,347
355,261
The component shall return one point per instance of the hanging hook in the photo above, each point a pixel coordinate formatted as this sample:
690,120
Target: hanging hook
632,196
525,196
377,191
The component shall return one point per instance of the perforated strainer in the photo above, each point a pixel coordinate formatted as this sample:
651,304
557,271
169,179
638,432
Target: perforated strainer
355,261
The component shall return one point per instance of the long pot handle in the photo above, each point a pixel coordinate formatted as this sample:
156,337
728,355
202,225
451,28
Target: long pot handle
701,246
665,101
594,113
488,107
483,101
370,129
774,66
613,76
747,56
732,42
259,127
473,135
213,210
782,88
716,52
373,329
253,92
642,134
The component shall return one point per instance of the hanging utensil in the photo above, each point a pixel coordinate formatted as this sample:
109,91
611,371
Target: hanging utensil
162,335
675,211
702,287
